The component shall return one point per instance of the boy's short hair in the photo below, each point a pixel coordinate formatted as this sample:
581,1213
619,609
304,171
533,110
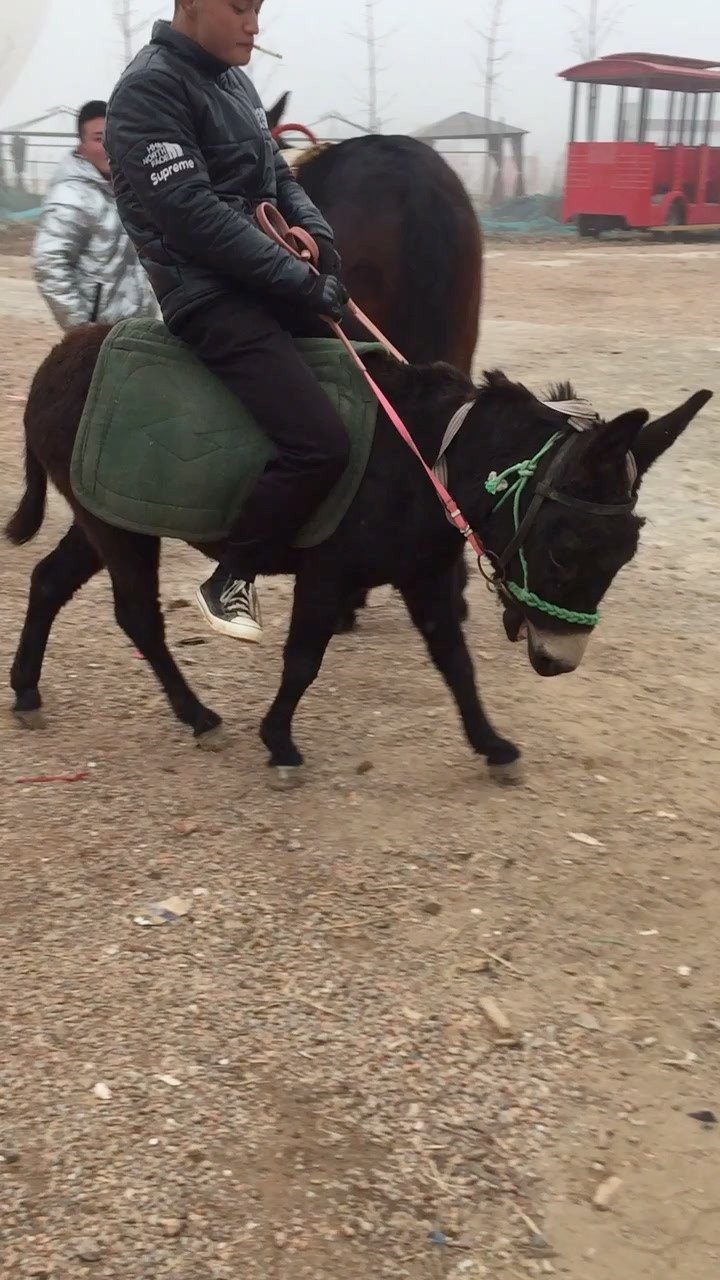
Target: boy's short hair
95,110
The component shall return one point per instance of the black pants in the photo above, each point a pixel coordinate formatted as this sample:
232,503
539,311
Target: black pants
251,350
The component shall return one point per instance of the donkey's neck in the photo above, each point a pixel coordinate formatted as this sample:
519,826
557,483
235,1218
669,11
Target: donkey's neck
426,397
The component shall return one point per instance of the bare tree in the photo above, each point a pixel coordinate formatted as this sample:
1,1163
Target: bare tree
373,42
592,25
129,27
493,57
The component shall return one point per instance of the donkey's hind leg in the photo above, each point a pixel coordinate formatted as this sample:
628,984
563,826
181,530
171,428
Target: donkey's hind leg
347,618
54,581
133,561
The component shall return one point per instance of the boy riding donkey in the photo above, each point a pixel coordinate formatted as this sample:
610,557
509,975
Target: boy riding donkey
192,158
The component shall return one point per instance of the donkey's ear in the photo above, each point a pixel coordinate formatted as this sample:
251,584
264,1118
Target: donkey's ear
612,441
658,436
276,113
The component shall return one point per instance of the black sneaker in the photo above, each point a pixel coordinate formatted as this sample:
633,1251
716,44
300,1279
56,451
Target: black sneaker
231,607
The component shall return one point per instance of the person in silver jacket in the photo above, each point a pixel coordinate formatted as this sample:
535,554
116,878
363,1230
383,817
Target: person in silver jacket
84,264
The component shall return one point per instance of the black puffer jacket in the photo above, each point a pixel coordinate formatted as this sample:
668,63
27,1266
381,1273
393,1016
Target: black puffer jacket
191,158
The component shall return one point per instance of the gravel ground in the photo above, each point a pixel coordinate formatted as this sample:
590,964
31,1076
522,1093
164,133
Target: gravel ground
300,1077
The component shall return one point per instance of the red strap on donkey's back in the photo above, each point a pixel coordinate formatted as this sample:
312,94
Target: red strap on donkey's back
301,244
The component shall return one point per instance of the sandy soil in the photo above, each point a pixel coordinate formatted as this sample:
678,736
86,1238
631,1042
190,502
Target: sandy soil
297,1078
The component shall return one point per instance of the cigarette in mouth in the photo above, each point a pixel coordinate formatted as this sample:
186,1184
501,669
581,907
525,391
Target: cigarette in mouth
268,52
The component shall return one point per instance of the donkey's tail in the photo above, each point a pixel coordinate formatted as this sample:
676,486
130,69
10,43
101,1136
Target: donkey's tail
26,522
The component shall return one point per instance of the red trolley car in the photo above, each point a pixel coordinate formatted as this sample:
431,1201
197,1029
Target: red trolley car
659,169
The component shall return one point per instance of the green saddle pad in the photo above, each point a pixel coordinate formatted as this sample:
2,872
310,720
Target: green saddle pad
164,448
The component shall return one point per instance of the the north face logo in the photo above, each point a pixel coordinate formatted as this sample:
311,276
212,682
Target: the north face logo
162,153
262,118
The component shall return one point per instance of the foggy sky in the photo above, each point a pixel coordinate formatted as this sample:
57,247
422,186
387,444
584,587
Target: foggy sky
431,57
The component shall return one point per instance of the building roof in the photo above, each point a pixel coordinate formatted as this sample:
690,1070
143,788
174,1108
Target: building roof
649,71
464,124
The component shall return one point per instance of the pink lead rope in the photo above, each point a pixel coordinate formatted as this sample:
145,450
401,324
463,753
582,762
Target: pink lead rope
301,245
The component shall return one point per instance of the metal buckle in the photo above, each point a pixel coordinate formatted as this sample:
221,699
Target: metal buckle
496,574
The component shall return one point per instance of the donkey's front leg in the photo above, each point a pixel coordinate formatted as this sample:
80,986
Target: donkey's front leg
434,606
315,611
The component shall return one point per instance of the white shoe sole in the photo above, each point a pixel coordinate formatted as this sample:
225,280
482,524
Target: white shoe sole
244,629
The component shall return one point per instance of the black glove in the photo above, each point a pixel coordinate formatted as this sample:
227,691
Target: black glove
327,297
329,260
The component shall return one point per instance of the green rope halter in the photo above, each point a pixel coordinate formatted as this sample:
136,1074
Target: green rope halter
519,474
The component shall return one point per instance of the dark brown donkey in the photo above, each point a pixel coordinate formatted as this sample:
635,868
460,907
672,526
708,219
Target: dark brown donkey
409,238
411,247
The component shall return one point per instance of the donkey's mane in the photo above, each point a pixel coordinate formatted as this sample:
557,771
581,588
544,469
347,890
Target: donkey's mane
559,391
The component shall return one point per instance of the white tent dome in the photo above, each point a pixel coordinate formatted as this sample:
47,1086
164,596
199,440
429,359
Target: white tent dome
21,25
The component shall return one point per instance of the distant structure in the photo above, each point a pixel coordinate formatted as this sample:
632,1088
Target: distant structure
334,127
504,144
30,150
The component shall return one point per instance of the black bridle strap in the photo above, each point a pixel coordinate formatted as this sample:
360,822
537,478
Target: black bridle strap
503,560
528,520
593,508
545,491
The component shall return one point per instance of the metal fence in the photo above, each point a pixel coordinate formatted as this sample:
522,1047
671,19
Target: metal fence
28,158
27,161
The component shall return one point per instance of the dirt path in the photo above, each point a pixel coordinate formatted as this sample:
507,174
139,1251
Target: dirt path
302,1081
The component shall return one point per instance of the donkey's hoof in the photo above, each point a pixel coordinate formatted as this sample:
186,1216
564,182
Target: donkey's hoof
215,739
285,777
511,774
33,719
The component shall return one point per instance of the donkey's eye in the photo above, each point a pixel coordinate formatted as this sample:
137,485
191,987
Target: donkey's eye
562,562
